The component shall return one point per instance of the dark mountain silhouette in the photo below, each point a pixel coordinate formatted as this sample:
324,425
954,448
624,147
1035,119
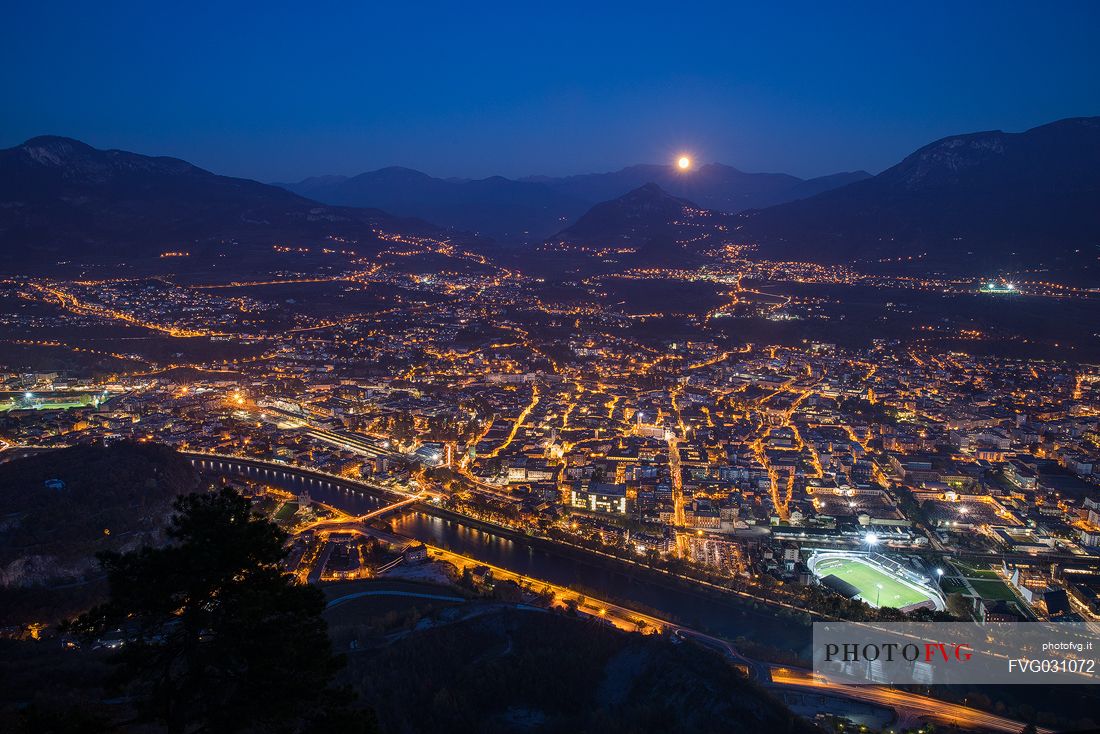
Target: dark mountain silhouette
531,209
308,186
981,200
637,216
821,184
60,199
496,207
714,186
656,227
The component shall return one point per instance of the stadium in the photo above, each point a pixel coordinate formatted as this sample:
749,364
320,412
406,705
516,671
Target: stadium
875,579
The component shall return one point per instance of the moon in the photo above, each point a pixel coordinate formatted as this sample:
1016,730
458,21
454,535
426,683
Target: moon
684,163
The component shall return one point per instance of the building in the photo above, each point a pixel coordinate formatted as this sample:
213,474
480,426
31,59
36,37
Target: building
1021,475
416,553
599,497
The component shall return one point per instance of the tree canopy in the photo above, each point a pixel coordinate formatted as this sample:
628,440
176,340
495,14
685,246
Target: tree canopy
215,635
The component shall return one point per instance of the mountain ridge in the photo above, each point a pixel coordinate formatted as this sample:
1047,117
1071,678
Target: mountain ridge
988,198
715,186
531,208
647,227
60,197
992,197
637,215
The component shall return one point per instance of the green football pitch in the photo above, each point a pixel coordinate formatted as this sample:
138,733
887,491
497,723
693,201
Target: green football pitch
868,579
60,403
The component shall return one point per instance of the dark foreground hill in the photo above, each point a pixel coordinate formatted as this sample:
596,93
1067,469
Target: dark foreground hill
61,199
58,509
502,671
987,200
527,671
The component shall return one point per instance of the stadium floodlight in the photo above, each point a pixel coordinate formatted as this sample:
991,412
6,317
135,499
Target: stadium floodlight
939,572
28,395
871,538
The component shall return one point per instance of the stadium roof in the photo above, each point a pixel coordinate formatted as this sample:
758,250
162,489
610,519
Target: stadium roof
840,586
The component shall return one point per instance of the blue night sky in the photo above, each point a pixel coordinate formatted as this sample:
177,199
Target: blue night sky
280,91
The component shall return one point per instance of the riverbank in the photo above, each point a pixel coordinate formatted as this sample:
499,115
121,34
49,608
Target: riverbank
625,565
715,610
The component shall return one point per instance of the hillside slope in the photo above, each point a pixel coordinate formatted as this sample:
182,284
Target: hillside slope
989,199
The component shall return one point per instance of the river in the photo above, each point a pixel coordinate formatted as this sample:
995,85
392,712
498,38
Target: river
730,618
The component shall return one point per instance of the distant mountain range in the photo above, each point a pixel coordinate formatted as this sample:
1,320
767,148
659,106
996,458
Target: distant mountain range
984,199
531,209
711,186
976,202
497,207
60,199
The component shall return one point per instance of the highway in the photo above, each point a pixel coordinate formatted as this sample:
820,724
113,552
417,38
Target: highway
613,614
911,709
